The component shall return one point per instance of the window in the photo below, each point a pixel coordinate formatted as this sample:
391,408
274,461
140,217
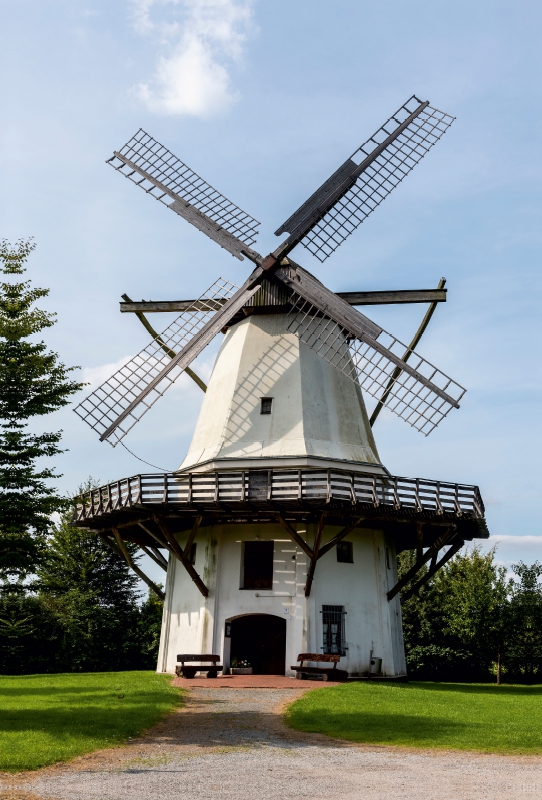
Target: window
333,627
345,552
258,565
192,554
267,402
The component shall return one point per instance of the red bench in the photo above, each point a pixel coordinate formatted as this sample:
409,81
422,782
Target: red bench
320,673
188,669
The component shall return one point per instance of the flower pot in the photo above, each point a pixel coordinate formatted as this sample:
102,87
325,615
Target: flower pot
241,670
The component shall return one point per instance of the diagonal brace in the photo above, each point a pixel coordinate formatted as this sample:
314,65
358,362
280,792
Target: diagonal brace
315,552
177,551
171,353
410,349
122,551
432,570
430,552
295,536
339,537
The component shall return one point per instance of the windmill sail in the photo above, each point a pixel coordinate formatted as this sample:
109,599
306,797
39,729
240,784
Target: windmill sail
347,198
114,408
420,394
161,174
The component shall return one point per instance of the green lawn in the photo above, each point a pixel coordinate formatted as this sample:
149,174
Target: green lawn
488,718
48,718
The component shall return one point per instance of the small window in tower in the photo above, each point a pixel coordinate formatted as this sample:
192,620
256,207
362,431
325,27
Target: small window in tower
258,565
267,402
345,552
192,554
334,630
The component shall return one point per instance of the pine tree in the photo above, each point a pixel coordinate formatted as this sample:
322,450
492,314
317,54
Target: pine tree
93,594
150,625
33,383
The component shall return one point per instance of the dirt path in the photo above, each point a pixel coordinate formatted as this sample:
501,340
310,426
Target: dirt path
231,744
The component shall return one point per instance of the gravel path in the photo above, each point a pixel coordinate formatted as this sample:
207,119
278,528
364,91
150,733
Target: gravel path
231,744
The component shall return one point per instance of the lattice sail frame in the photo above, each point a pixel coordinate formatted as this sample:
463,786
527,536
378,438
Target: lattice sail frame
163,165
104,405
409,398
380,177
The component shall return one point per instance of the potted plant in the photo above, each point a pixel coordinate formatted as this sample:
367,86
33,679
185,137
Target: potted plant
240,667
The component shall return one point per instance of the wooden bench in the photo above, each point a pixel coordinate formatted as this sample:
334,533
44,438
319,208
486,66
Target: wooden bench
189,671
320,673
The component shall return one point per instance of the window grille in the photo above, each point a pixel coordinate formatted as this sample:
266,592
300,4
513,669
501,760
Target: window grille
267,402
333,620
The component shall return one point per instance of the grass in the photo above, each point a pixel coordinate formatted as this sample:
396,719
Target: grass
50,718
486,718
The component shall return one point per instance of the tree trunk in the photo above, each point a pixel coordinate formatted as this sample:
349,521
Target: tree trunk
499,668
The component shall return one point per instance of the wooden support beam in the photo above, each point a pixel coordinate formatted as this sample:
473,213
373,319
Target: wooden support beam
429,553
171,353
397,371
315,551
181,556
192,536
159,556
133,566
394,297
339,537
432,570
352,298
158,559
295,536
157,538
419,541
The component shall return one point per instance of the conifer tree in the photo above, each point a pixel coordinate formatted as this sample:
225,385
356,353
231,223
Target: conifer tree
33,383
93,594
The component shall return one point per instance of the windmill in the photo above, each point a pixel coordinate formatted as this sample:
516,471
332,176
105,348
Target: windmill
282,312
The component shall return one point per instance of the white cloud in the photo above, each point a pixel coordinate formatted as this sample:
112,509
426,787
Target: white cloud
95,376
511,549
202,39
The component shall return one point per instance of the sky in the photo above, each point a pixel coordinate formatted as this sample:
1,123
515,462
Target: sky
265,100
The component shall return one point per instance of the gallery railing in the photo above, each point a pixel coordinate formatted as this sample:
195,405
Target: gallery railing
281,487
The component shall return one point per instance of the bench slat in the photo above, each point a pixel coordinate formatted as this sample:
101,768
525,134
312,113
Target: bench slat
202,657
319,657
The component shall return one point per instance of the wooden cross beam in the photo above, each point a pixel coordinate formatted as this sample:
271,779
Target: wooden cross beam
408,352
122,551
339,537
315,551
182,556
156,336
443,539
156,556
432,570
353,298
295,536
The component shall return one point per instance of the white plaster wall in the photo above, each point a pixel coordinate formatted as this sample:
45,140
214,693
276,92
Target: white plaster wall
317,411
193,624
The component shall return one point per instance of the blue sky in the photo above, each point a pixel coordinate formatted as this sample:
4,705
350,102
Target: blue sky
265,100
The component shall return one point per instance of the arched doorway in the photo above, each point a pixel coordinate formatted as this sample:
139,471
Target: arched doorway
260,639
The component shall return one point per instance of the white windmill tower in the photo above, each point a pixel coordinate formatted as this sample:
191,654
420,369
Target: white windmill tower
281,524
